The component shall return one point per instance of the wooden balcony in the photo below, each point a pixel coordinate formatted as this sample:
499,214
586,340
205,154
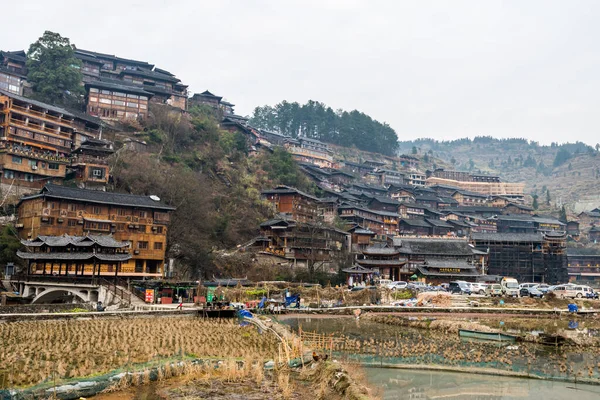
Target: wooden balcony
40,115
41,129
7,148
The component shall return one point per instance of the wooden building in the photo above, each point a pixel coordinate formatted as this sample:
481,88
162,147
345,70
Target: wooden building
35,141
13,71
89,255
293,203
311,151
164,86
414,227
305,244
466,198
584,266
114,100
440,260
573,229
380,222
589,218
142,221
385,260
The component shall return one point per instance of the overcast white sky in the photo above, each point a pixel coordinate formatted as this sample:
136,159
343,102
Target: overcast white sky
442,69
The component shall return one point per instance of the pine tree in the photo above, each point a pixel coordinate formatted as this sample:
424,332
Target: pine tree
547,197
563,215
535,204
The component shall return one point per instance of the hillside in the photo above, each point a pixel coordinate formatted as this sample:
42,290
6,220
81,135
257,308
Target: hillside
210,176
570,171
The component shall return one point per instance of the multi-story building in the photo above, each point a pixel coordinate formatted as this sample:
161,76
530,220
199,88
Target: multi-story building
35,141
417,179
13,71
584,266
141,221
312,151
510,190
114,100
293,203
528,257
164,86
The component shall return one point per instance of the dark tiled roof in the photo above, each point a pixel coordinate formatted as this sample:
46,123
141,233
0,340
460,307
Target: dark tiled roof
77,241
427,246
120,86
507,237
415,222
112,57
100,197
18,55
206,93
439,223
289,190
37,103
73,256
149,74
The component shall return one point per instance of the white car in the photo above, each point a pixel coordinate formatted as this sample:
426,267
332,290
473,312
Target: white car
397,285
478,288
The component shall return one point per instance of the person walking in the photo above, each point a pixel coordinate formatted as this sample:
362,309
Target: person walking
180,306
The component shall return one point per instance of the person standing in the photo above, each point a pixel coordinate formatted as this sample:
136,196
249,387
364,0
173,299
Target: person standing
180,306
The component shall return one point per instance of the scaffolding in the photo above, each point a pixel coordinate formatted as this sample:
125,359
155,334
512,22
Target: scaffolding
526,257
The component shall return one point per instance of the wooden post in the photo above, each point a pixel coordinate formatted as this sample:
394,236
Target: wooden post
59,268
52,268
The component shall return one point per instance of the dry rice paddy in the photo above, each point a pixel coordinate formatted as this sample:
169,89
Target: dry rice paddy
35,351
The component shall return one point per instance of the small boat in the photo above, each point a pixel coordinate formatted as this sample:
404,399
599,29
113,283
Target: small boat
491,336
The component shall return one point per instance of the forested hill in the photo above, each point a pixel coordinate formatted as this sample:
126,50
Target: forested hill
569,171
318,121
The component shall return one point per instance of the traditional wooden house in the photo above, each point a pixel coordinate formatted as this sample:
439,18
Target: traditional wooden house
440,260
414,227
35,141
573,229
386,177
115,100
589,218
312,151
293,203
90,163
355,168
466,198
440,228
380,222
385,260
142,221
427,200
403,193
584,266
13,71
304,244
412,210
381,203
360,237
409,162
516,208
76,256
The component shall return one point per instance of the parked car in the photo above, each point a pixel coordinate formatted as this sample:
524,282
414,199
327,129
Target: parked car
478,288
572,291
417,286
542,287
397,285
384,282
592,294
493,289
527,285
359,288
530,291
460,287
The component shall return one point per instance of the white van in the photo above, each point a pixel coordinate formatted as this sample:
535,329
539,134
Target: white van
384,282
510,286
572,291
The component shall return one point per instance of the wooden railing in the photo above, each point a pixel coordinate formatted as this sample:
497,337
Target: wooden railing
112,286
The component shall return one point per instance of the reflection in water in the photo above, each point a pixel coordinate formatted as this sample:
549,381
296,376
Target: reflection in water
405,384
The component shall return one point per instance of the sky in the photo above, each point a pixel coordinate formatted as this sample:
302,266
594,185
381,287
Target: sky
439,69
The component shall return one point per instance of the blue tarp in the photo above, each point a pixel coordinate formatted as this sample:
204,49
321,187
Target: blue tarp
573,308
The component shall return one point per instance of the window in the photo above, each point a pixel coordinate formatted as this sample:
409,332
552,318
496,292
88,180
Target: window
158,246
28,178
105,101
118,102
142,228
17,160
93,100
72,207
93,90
142,214
48,221
52,166
32,164
142,245
132,105
133,96
96,210
121,228
105,91
51,205
158,229
9,174
72,222
120,212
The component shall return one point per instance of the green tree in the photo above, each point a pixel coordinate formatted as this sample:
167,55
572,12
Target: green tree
414,150
547,197
563,215
535,204
562,156
9,244
53,70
